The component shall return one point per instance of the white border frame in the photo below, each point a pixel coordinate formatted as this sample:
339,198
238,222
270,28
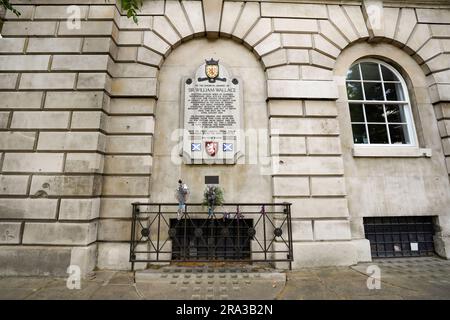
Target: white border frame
407,103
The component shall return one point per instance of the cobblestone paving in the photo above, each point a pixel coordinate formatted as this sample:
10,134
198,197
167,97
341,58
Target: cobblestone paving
405,278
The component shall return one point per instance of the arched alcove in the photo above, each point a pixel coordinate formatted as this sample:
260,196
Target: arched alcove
241,182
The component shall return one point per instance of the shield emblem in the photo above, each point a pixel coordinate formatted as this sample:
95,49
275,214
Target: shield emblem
211,147
212,70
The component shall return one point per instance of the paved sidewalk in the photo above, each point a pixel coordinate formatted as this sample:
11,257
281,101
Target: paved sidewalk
412,278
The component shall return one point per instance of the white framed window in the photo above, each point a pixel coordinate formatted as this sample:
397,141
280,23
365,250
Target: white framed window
380,110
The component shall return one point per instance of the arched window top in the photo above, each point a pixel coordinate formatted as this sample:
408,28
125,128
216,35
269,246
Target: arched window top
379,104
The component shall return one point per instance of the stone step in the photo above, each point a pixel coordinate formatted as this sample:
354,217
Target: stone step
187,275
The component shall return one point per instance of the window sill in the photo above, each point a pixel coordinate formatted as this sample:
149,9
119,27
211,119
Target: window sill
390,152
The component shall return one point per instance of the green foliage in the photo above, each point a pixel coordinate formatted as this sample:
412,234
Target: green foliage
5,4
212,197
131,7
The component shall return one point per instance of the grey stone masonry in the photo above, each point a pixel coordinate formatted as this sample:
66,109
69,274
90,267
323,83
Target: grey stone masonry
78,126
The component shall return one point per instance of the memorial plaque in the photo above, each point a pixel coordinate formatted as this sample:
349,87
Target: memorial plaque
212,116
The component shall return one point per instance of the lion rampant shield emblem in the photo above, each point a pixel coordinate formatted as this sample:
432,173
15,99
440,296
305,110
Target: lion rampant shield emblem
211,147
212,68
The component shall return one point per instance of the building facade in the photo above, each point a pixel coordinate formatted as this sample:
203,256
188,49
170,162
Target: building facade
352,97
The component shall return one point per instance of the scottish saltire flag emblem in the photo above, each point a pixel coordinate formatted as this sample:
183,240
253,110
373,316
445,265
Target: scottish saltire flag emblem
196,146
227,147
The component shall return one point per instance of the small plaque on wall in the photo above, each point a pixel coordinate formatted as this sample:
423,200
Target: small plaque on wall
211,179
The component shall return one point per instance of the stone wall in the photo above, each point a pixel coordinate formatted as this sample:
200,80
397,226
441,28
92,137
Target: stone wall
77,119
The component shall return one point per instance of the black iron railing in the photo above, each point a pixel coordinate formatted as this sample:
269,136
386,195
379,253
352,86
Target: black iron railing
244,232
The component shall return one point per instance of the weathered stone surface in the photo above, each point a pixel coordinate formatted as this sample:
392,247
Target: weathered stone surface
321,60
29,28
288,146
163,28
310,165
128,164
13,185
40,120
327,186
47,81
114,230
355,15
132,106
295,25
84,163
33,162
74,100
332,34
293,40
174,12
54,45
293,10
83,62
10,232
324,145
194,12
247,19
129,144
12,45
302,89
130,124
276,58
149,57
133,70
285,108
102,12
21,100
17,140
320,108
28,208
60,233
327,253
332,230
65,185
132,186
298,56
118,207
4,118
261,30
287,72
154,42
230,15
269,44
98,45
114,256
323,45
8,80
406,25
79,209
212,10
77,141
340,20
25,63
88,120
85,258
433,15
129,38
41,261
58,12
306,126
291,186
301,230
89,28
316,73
97,81
134,87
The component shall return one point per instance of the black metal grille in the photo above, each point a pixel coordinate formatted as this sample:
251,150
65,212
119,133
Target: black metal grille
226,239
234,232
398,236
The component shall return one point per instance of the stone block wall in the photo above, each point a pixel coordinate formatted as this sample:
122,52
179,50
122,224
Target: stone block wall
77,116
